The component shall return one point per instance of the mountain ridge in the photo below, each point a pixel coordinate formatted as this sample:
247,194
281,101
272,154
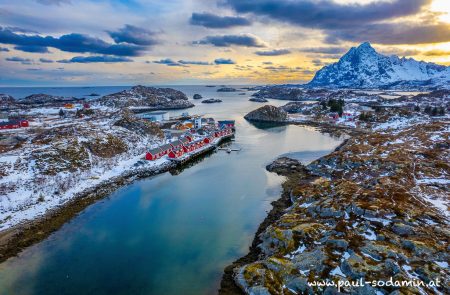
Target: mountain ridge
364,67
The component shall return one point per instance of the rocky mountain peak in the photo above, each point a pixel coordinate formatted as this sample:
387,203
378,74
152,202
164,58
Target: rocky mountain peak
364,67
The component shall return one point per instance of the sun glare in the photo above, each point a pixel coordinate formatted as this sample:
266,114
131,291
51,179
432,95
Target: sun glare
442,6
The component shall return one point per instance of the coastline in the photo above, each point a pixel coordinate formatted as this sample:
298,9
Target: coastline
228,285
18,237
273,253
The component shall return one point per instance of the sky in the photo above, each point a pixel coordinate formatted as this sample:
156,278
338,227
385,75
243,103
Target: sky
128,42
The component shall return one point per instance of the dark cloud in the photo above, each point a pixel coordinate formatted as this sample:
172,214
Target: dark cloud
324,50
210,20
168,62
353,21
44,60
32,48
191,62
282,68
317,62
267,63
93,59
229,40
325,14
274,52
78,43
134,35
394,33
21,30
224,61
436,53
4,49
24,61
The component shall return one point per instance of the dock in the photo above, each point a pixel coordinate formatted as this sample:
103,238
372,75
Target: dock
212,146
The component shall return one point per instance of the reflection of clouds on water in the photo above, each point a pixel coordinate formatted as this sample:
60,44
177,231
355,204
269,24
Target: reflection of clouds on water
306,157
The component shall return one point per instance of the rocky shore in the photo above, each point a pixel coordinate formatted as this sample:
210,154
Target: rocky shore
374,209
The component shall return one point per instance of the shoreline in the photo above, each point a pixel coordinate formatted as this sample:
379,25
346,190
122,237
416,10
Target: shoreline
228,285
251,271
15,239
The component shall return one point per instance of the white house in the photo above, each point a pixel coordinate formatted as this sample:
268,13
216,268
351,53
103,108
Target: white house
156,116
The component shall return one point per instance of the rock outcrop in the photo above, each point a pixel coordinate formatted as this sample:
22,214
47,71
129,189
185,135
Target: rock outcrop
267,113
147,97
6,99
374,210
258,99
286,166
46,99
212,100
227,89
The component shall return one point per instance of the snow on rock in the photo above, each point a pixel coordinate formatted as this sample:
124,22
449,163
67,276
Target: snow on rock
60,160
363,67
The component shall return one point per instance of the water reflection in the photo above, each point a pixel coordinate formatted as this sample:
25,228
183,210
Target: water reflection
173,233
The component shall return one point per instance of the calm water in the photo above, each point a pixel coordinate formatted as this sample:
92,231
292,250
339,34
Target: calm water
168,234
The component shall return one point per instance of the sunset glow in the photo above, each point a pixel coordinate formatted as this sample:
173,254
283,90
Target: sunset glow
195,42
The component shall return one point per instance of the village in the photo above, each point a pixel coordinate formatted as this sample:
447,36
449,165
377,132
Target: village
57,151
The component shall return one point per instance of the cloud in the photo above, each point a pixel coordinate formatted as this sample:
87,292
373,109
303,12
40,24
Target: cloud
274,52
436,53
317,62
73,42
44,60
210,20
54,2
168,62
267,63
199,63
324,50
21,30
246,40
282,68
32,48
224,61
134,35
353,21
24,61
399,51
4,49
93,59
328,14
394,33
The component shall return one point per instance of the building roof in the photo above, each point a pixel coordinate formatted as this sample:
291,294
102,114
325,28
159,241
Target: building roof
155,151
10,123
184,140
165,147
176,143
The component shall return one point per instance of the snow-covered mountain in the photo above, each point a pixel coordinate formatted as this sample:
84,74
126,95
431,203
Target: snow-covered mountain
363,67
